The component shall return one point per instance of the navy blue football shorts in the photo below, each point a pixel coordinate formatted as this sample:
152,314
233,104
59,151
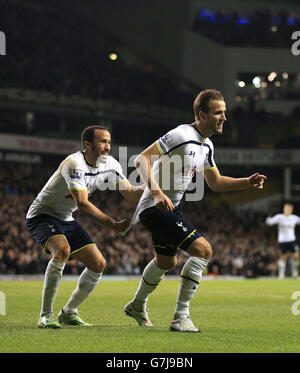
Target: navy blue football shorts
288,247
169,230
43,227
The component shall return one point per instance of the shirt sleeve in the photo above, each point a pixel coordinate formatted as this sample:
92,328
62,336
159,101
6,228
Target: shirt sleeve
116,173
73,174
272,221
209,161
171,140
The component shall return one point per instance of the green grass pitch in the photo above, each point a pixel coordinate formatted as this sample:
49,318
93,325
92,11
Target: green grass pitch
234,315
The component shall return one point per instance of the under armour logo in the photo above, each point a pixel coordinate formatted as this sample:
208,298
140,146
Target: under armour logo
192,153
181,225
51,226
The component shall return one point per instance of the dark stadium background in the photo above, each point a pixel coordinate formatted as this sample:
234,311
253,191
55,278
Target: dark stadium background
136,66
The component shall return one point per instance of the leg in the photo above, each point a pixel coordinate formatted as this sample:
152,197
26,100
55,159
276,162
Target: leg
152,275
60,250
88,280
200,251
165,262
282,266
170,232
295,261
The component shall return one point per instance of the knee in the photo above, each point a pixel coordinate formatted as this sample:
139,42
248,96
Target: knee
63,253
208,251
101,265
201,249
98,266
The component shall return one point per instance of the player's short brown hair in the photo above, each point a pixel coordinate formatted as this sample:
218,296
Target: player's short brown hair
201,102
89,132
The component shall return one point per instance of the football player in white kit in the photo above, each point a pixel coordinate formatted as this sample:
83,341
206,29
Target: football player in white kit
50,221
159,208
286,223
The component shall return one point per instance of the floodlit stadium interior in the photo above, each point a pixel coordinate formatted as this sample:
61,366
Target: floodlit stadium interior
137,71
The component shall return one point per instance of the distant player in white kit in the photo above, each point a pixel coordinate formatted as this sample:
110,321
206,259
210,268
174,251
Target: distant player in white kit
160,211
286,223
50,221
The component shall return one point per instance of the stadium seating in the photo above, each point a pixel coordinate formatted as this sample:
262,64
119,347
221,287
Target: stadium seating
81,66
242,244
63,72
259,28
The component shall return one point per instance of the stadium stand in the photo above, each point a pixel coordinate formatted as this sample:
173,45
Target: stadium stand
85,77
242,244
66,72
258,28
83,58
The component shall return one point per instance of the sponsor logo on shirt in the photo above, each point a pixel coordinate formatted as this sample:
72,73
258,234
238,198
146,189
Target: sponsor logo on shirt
188,172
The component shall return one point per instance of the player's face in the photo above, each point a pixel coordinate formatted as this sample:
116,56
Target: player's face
215,118
101,144
287,209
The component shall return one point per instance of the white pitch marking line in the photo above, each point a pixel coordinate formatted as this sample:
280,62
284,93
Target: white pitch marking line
251,294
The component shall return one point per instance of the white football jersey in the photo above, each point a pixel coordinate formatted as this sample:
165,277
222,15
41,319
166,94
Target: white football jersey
286,226
183,151
74,173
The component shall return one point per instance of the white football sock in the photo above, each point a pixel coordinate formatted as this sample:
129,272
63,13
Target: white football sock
151,277
53,276
87,282
190,277
281,268
294,265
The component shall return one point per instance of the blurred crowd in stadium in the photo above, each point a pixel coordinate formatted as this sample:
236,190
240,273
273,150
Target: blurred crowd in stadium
259,28
67,66
242,244
78,68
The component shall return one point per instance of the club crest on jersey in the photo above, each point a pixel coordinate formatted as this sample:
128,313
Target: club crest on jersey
76,174
166,139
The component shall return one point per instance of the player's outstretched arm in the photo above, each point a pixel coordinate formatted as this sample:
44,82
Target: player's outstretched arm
273,220
219,183
130,192
143,164
87,208
256,181
120,226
